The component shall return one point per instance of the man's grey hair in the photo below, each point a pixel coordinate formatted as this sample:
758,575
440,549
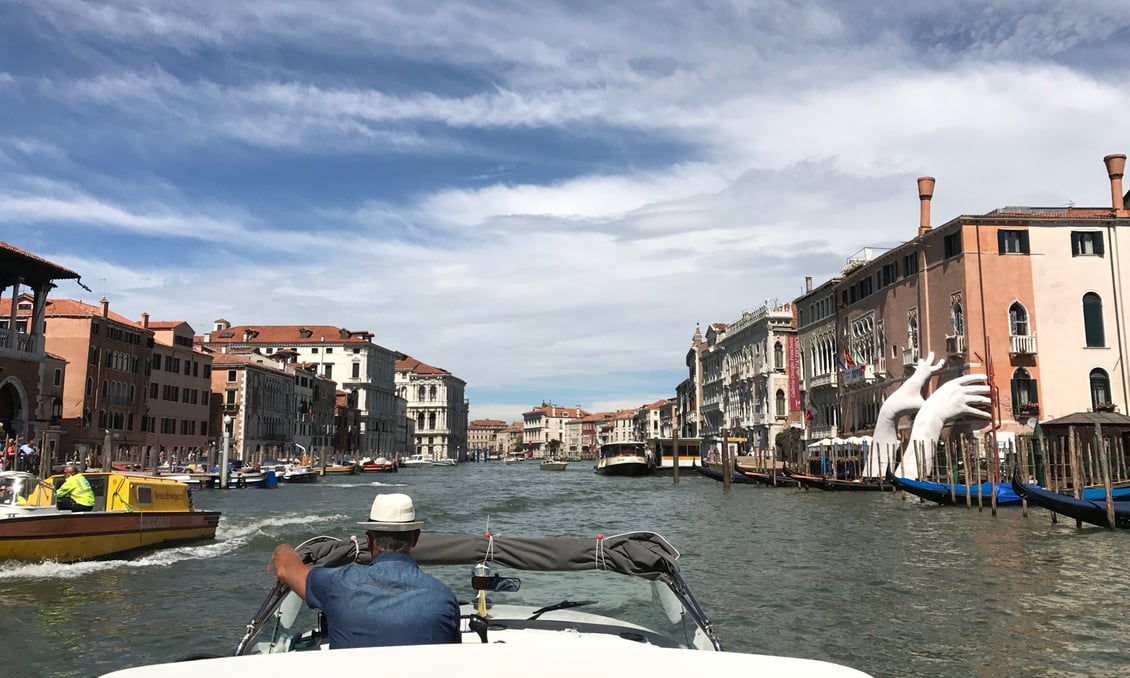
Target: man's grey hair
394,542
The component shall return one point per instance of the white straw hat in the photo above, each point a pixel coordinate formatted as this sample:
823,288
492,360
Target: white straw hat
392,513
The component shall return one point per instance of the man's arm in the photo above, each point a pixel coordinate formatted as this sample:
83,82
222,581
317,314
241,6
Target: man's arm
289,568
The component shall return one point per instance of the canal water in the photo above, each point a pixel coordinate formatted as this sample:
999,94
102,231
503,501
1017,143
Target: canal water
875,581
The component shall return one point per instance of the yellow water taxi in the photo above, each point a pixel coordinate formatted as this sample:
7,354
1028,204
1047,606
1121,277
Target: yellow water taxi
131,512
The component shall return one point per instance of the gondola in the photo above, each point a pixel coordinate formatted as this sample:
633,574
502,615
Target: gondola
837,484
954,495
1086,510
716,474
774,478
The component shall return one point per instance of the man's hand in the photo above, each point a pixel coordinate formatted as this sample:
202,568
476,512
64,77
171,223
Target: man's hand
287,565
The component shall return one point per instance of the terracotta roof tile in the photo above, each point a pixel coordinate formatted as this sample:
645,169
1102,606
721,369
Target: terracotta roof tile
410,364
291,334
56,271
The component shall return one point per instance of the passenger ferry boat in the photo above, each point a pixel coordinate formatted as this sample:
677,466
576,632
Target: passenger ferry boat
624,459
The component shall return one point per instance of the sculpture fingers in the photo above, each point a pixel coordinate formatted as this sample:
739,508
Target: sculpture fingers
975,412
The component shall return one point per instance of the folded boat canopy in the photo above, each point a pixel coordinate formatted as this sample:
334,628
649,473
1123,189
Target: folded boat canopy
637,554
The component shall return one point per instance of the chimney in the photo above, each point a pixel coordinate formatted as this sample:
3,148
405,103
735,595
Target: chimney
145,320
925,193
1115,165
105,307
807,284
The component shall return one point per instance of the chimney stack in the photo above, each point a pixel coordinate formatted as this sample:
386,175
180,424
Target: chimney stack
1115,165
807,284
145,320
925,193
105,307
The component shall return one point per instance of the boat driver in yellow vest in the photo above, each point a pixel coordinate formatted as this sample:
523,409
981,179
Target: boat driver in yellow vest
75,494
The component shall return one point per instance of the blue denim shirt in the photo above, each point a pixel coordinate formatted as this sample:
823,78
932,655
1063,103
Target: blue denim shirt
389,602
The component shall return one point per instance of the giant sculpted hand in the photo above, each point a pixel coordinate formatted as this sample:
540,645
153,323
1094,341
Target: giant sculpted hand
906,399
964,396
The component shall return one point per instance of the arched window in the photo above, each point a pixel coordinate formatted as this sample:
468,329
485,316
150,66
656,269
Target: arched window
420,421
432,420
1024,394
1093,320
1018,320
433,393
780,411
1100,389
957,320
778,356
421,393
912,331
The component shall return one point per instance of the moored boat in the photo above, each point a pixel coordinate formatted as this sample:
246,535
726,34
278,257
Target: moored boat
1093,511
836,484
349,469
379,465
715,471
624,459
131,512
296,473
415,461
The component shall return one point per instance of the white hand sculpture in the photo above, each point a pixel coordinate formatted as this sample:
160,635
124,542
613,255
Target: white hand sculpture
906,399
956,398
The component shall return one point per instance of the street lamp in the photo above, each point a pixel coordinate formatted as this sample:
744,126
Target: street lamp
227,445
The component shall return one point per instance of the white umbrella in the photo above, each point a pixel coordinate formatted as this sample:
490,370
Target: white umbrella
854,441
825,441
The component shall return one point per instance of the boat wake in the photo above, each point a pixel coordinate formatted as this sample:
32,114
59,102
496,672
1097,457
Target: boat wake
375,483
230,537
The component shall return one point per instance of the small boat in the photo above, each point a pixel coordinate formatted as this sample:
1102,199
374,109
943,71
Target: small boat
240,479
348,469
296,473
1006,495
379,465
954,495
553,464
415,461
514,459
769,478
837,484
715,471
637,616
1091,511
131,512
624,459
443,461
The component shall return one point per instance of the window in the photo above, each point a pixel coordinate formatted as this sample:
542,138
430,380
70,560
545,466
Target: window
58,377
207,371
1018,320
780,403
356,370
231,375
90,386
1024,394
912,331
957,320
1012,242
889,274
156,362
328,371
432,421
910,265
329,349
1100,389
951,245
778,356
153,390
1093,320
229,397
1086,243
432,393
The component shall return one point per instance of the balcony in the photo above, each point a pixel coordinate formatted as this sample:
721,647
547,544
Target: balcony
909,357
822,380
1022,344
955,345
880,366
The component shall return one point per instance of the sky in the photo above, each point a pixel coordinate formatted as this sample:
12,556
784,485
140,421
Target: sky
542,198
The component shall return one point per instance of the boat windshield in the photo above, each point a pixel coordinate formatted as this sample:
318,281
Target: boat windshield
636,607
14,491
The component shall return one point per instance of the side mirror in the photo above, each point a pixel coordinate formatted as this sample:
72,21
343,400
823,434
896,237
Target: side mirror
496,583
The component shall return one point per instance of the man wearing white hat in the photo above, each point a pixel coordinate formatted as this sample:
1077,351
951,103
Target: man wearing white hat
390,601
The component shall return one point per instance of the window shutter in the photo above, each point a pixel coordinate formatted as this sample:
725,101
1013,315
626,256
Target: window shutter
1001,242
1024,242
1099,243
1015,393
1033,392
1075,247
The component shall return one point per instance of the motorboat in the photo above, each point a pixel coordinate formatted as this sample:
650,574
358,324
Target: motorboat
444,461
415,461
554,464
344,469
514,459
618,604
132,511
297,473
624,459
379,465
